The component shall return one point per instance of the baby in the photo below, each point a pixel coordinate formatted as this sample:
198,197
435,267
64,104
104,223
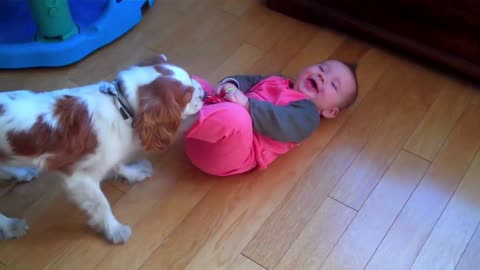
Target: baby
260,118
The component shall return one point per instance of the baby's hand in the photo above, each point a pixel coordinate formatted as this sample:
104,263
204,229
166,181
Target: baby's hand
224,87
238,97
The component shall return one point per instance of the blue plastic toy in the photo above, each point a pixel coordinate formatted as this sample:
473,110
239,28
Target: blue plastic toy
51,33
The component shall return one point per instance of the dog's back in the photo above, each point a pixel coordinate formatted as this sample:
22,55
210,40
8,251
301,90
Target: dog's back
49,130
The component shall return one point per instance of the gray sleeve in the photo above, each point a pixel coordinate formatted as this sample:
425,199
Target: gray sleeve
243,82
291,123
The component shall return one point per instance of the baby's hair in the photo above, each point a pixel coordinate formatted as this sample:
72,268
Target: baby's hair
350,100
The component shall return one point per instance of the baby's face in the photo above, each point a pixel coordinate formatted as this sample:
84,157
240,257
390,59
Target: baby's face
327,85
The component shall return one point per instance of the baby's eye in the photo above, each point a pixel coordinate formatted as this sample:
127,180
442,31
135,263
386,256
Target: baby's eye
322,68
334,86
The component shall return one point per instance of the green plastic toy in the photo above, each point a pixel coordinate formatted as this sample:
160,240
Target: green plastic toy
53,19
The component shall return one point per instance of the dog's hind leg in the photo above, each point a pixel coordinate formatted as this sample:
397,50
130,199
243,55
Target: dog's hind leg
84,190
18,174
12,227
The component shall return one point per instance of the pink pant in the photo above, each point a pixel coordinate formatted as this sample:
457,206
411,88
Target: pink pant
221,141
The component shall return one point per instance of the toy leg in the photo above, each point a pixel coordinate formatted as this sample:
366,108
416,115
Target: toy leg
53,19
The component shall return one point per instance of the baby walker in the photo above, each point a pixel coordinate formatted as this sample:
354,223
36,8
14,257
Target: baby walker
50,33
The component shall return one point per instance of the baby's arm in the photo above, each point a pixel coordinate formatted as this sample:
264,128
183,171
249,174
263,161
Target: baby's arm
242,82
291,123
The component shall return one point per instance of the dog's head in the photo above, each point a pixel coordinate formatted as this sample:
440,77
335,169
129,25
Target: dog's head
163,95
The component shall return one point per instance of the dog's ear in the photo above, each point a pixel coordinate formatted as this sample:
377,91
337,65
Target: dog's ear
160,108
154,129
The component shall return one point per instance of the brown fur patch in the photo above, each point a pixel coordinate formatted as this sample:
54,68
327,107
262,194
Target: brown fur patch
71,140
161,105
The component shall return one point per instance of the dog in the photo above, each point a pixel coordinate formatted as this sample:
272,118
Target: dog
87,133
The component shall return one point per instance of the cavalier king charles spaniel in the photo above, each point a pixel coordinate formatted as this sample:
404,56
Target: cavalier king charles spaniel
88,132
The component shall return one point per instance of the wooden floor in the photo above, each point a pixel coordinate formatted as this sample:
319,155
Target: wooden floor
392,183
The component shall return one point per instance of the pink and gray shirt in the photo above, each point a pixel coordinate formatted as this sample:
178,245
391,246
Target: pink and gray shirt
282,117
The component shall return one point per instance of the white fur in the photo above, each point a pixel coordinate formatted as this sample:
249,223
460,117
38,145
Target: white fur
117,142
12,227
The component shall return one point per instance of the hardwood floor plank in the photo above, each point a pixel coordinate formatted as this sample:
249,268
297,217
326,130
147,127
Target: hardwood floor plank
277,27
277,58
241,205
120,185
318,49
6,187
150,207
157,223
450,236
20,196
238,7
470,259
222,234
161,20
371,67
241,60
318,238
282,217
34,212
285,224
244,263
373,221
92,70
229,34
351,50
419,90
416,221
193,30
53,222
429,136
193,6
476,96
168,32
36,79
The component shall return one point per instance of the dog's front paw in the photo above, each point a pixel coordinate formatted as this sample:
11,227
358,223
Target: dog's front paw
137,171
13,228
118,233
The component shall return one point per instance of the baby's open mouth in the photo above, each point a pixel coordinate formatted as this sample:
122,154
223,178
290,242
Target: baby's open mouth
312,85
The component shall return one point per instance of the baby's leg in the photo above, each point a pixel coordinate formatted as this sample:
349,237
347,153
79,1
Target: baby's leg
220,142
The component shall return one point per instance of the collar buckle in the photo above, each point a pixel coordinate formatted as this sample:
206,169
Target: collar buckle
113,89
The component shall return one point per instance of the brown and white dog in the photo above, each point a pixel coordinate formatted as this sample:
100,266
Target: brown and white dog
88,132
